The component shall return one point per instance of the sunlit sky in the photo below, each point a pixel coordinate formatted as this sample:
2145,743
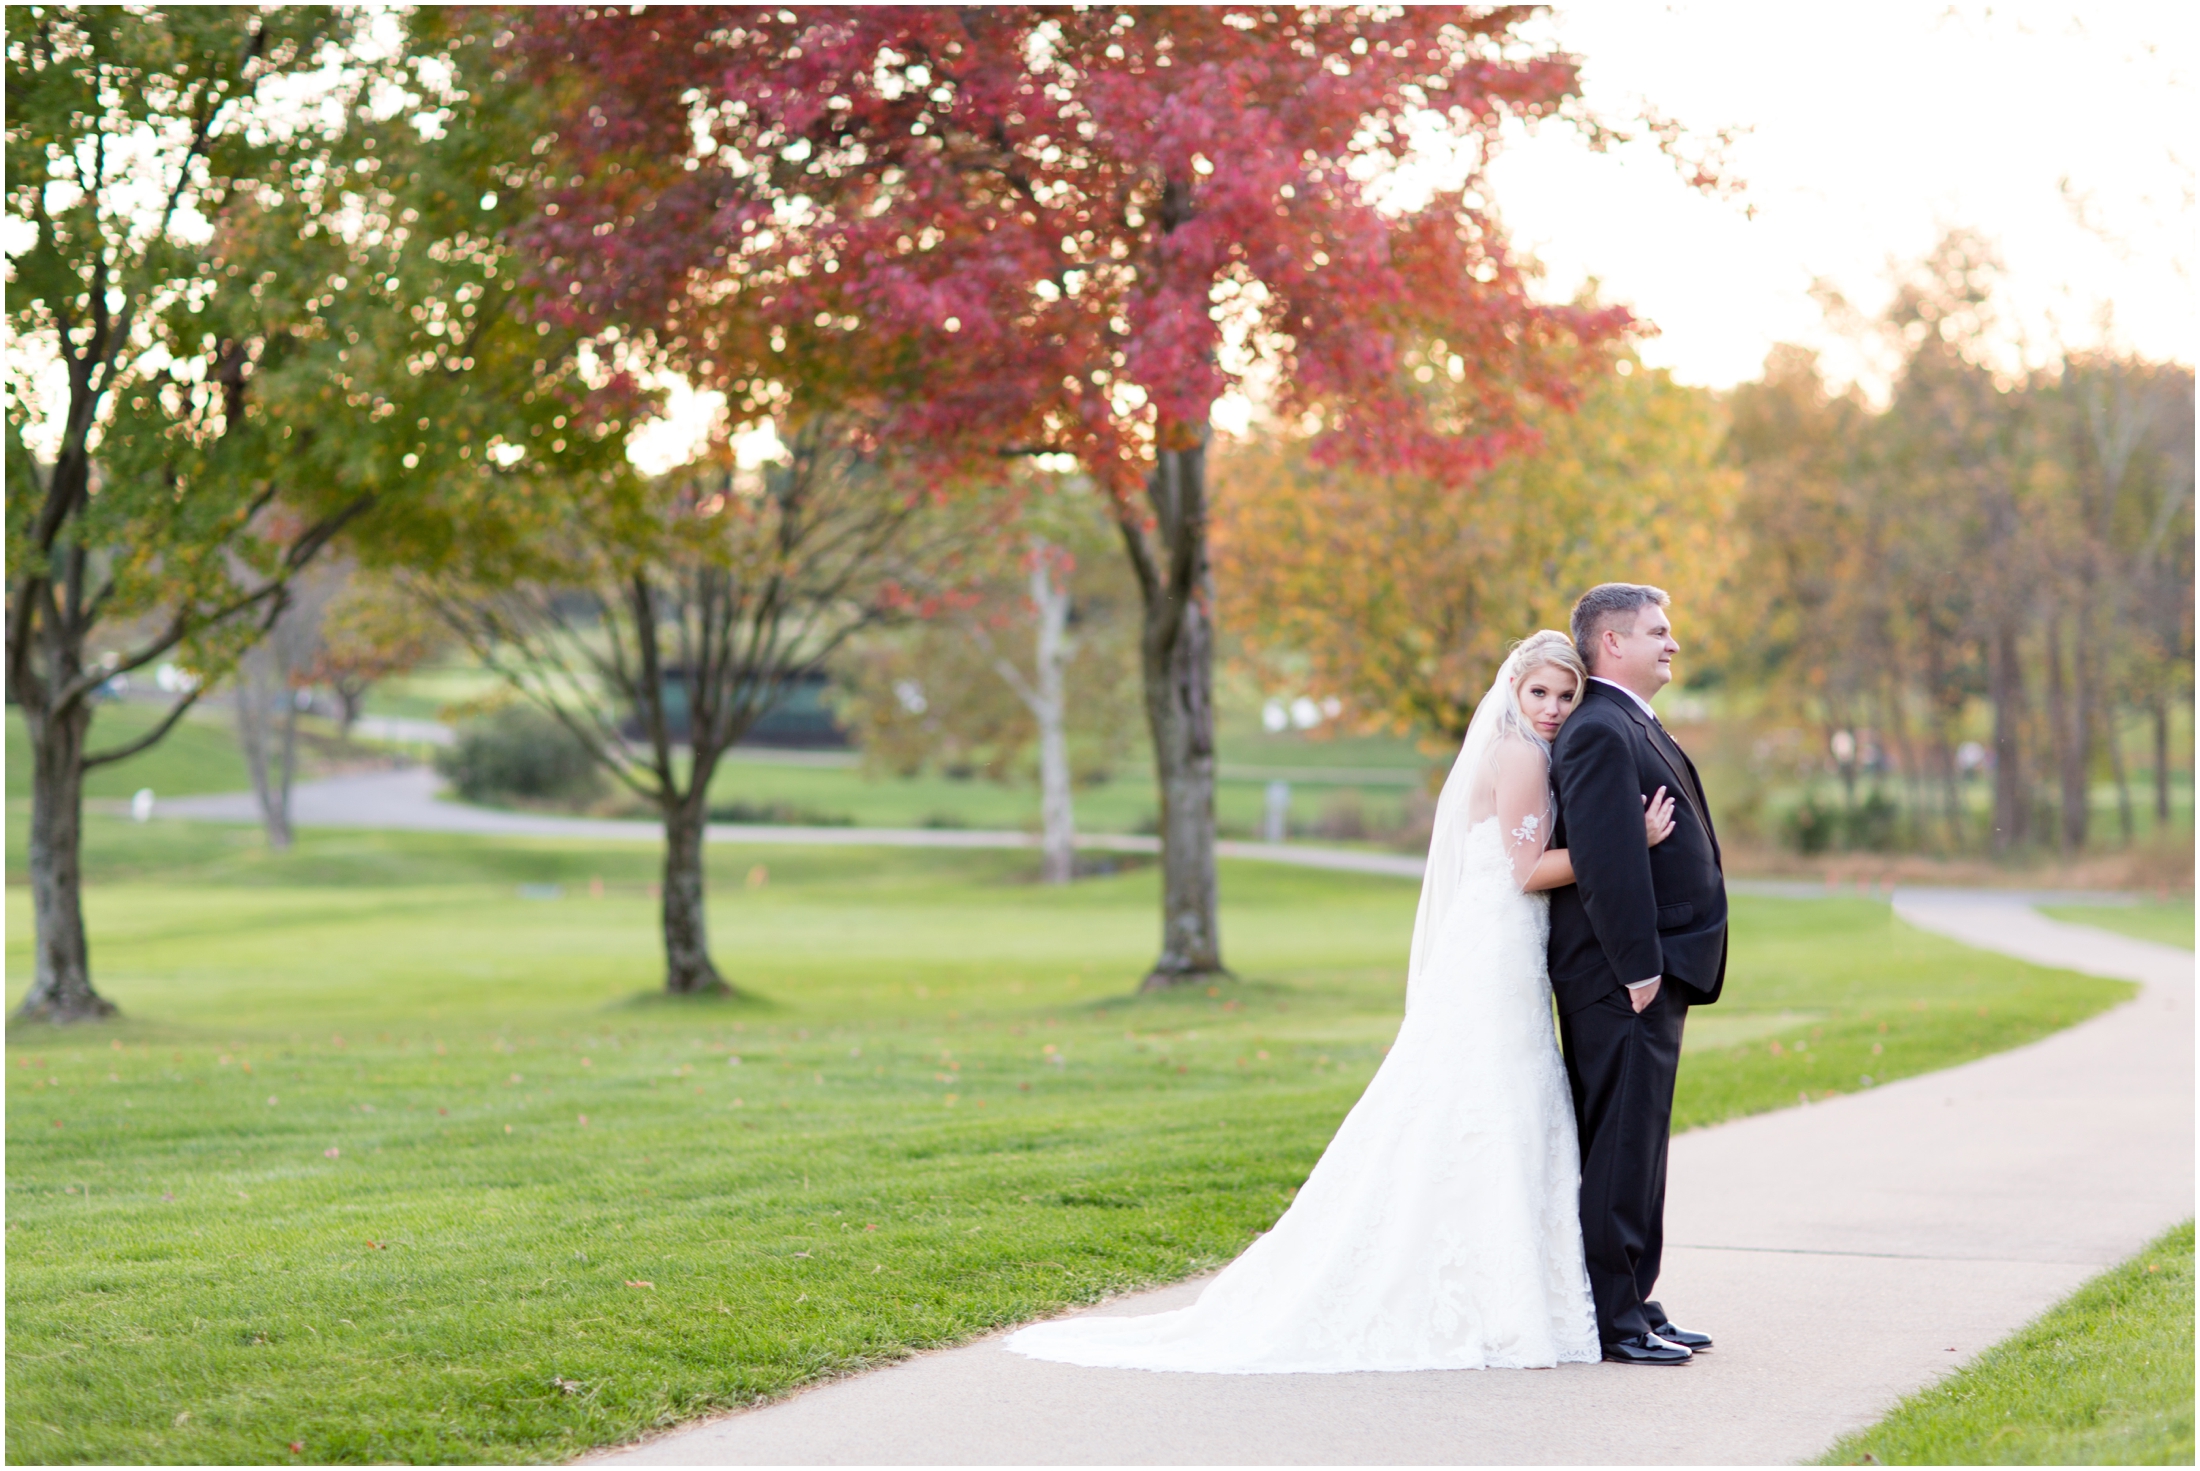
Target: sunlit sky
1864,131
2064,135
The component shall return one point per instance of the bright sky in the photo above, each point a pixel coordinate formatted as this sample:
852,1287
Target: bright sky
1871,127
1867,128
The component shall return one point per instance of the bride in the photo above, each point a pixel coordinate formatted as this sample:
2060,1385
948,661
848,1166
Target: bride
1441,1228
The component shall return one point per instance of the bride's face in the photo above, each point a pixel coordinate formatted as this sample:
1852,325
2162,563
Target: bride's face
1547,697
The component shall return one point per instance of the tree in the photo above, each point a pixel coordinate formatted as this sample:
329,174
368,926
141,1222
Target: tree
1032,661
372,630
1402,592
1070,232
1993,536
253,269
267,690
688,609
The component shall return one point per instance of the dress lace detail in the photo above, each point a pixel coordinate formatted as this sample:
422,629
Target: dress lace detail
1440,1229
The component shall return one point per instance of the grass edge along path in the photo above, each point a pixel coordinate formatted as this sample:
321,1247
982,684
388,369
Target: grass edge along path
384,1160
2104,1377
2165,922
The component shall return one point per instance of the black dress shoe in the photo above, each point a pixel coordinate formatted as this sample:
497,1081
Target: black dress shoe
1645,1348
1693,1342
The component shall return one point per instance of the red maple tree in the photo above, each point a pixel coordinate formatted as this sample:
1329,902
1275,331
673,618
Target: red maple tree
1027,229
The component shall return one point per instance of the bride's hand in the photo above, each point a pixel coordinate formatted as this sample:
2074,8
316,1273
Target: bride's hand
1657,817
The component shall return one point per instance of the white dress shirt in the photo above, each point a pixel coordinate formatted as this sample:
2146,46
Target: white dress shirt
1630,694
1645,704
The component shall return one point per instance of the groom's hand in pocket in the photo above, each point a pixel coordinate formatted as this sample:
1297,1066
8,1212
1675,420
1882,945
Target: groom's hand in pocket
1642,995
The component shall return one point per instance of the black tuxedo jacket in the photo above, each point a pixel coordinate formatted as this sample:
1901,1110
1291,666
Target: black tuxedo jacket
1633,911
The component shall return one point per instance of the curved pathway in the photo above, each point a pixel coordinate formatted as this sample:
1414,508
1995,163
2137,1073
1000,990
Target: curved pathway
405,800
1844,1254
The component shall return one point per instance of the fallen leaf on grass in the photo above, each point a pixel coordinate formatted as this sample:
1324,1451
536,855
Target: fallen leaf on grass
331,1152
650,1285
181,1416
377,1246
584,1121
565,1385
803,1254
874,1228
297,1447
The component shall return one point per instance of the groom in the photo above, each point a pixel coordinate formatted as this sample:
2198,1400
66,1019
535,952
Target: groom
1637,939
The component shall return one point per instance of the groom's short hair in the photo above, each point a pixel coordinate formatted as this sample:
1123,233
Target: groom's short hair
1607,604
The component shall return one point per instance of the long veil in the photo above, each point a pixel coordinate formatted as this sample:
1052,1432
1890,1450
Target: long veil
1468,798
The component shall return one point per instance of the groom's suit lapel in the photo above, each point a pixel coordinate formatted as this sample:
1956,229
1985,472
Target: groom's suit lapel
1686,785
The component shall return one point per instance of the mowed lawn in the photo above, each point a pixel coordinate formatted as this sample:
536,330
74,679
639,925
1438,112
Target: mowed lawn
2164,921
389,1160
2104,1378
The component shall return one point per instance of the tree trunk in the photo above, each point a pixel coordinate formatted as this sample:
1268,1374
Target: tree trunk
61,984
2112,737
2161,761
688,968
351,697
2066,715
262,727
2085,723
1057,814
2011,812
1177,661
1944,743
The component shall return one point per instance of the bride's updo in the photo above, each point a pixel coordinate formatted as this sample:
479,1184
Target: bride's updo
1545,647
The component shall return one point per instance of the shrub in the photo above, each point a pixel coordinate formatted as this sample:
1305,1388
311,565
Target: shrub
519,753
1812,826
777,814
1872,825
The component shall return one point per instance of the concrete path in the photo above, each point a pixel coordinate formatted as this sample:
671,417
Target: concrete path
1844,1254
405,800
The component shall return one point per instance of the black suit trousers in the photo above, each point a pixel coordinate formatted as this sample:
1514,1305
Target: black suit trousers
1621,1065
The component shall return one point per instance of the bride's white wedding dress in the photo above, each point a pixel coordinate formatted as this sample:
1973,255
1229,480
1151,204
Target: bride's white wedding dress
1440,1229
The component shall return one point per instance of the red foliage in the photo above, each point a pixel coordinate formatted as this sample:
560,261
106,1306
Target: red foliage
1035,228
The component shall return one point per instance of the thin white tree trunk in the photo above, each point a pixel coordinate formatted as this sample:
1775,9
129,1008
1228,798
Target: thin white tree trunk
1058,819
262,690
267,706
1044,696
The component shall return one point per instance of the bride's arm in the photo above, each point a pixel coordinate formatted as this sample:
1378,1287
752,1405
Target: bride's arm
1555,869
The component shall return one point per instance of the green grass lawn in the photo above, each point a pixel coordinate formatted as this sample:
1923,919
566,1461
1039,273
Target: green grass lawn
2166,922
392,1162
1125,804
199,755
2102,1379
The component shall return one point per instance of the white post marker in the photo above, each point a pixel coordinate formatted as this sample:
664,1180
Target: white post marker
141,805
1275,820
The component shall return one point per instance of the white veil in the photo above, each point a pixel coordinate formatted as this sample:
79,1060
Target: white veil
1503,764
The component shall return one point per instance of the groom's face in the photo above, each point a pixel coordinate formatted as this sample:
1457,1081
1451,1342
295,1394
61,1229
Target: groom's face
1641,656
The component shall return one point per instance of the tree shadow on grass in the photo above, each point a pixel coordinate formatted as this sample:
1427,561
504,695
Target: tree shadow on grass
734,1001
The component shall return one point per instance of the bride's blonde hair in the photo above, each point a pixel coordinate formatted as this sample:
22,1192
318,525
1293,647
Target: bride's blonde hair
1546,647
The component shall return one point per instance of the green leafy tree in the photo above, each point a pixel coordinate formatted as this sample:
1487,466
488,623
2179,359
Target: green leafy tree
257,304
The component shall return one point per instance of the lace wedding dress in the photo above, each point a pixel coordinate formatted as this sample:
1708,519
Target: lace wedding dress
1440,1229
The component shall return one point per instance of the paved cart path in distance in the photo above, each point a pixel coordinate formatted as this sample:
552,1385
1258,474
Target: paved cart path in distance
404,800
1844,1254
